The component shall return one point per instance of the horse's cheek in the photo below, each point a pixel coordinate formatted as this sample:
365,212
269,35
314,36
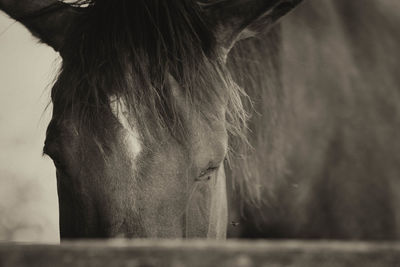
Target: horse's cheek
206,213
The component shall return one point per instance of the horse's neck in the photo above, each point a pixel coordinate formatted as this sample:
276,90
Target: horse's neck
326,146
255,65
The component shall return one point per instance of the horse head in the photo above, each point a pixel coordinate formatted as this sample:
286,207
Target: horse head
143,110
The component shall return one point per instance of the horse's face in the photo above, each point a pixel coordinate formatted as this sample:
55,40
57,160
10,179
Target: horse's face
141,188
128,183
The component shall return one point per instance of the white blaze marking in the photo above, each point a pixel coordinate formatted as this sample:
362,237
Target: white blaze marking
120,111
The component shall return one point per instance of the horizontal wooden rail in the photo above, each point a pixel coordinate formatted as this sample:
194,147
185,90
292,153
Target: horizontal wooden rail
194,253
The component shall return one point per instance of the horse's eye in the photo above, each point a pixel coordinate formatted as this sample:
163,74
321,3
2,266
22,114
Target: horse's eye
58,164
53,150
206,175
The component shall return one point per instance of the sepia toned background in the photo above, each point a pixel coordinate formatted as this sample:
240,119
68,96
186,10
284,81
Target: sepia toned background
28,199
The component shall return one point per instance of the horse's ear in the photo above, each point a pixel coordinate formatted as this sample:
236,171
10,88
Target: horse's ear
46,19
240,19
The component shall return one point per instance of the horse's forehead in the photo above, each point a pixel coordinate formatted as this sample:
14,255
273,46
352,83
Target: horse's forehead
207,136
132,137
219,107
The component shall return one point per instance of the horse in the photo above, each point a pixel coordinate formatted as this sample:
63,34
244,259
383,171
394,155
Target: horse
143,107
156,100
332,166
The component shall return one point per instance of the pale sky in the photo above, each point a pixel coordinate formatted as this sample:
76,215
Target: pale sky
28,199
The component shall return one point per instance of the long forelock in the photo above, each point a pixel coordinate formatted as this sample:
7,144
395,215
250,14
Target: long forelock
127,49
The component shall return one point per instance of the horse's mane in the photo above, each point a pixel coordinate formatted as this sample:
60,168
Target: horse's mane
127,49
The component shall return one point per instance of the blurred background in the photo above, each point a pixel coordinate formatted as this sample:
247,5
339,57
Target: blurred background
28,199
